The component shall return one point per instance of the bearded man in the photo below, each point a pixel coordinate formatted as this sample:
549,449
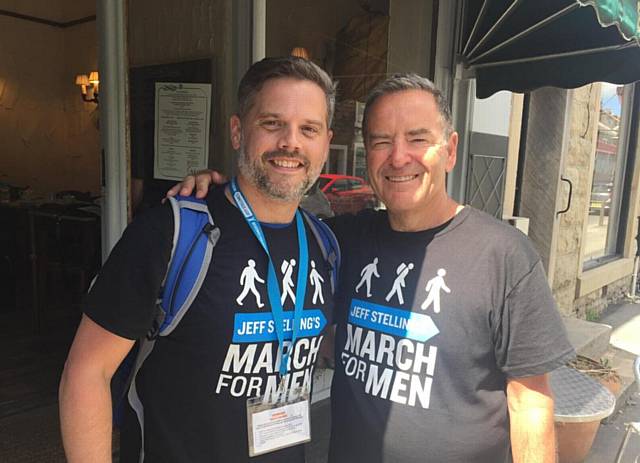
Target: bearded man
192,399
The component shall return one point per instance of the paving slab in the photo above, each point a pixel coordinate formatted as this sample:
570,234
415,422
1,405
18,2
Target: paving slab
625,321
625,346
622,362
588,338
610,435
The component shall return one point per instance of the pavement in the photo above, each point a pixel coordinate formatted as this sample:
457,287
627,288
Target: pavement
610,435
625,321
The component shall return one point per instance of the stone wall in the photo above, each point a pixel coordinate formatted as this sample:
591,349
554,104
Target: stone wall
562,135
577,166
543,161
582,126
593,304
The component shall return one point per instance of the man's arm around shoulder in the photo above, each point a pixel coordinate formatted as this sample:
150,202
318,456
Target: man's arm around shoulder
85,392
530,402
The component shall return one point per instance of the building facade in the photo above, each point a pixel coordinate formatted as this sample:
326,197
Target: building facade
530,156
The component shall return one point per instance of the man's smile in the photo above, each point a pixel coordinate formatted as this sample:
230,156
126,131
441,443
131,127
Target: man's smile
400,178
286,163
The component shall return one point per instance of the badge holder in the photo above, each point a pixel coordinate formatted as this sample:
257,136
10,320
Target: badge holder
283,419
275,423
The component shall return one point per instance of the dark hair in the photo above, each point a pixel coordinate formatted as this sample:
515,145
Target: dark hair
410,81
289,66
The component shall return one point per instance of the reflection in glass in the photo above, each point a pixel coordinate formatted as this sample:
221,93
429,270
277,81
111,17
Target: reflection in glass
602,227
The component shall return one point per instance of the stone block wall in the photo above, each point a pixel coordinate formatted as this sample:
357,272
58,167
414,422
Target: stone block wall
593,304
582,125
577,166
542,164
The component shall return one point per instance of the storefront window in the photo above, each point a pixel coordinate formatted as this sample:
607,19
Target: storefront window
603,227
359,44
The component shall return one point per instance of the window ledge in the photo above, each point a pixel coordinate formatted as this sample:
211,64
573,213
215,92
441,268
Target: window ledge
595,278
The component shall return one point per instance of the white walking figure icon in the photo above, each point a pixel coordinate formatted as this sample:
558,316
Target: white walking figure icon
367,272
433,287
287,280
316,281
248,279
402,271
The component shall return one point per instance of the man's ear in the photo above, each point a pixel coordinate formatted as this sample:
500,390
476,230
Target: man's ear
452,150
235,129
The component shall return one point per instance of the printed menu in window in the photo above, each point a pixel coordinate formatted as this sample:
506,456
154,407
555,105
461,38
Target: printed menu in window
183,115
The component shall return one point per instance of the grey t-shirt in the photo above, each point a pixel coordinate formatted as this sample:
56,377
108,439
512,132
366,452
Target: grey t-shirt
430,327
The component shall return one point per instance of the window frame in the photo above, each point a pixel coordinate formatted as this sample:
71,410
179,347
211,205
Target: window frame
619,207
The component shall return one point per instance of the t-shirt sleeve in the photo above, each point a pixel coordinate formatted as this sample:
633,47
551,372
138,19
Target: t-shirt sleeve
123,298
530,337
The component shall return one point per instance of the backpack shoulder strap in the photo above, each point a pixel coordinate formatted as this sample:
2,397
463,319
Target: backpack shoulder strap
328,245
194,238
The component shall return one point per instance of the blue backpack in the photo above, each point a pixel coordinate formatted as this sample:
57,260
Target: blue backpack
194,237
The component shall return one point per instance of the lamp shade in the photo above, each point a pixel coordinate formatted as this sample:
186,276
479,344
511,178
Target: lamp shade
82,79
300,52
94,78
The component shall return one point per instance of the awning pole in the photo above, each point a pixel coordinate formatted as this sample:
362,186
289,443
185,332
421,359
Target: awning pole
498,23
526,32
553,56
477,22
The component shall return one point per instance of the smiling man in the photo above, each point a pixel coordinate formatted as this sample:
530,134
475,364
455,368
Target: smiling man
204,390
444,358
461,373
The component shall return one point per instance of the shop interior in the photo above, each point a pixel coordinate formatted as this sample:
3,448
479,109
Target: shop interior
50,162
49,205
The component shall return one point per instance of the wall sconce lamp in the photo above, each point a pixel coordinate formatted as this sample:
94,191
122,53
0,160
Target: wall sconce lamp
300,52
89,86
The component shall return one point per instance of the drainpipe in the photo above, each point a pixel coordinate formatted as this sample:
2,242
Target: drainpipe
634,278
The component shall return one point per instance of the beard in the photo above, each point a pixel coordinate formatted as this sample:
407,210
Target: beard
254,170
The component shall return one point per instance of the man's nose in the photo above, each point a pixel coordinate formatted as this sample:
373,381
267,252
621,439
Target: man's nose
399,156
289,140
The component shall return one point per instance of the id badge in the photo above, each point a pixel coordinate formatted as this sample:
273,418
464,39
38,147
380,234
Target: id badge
278,424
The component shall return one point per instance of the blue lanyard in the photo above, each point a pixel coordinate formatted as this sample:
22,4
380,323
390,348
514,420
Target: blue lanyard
272,283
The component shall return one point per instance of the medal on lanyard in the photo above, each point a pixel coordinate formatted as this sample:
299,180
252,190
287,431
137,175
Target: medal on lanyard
285,421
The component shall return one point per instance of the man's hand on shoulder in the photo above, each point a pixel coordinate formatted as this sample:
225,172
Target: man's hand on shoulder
201,182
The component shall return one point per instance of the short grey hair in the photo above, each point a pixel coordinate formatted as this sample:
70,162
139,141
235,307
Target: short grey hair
410,81
284,67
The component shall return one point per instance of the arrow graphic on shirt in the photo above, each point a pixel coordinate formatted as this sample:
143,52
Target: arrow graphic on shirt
260,327
391,320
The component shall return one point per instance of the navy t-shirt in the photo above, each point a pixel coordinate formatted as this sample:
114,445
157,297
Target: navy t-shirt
196,381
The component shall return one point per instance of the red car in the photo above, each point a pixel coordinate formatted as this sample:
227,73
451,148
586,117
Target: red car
347,194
